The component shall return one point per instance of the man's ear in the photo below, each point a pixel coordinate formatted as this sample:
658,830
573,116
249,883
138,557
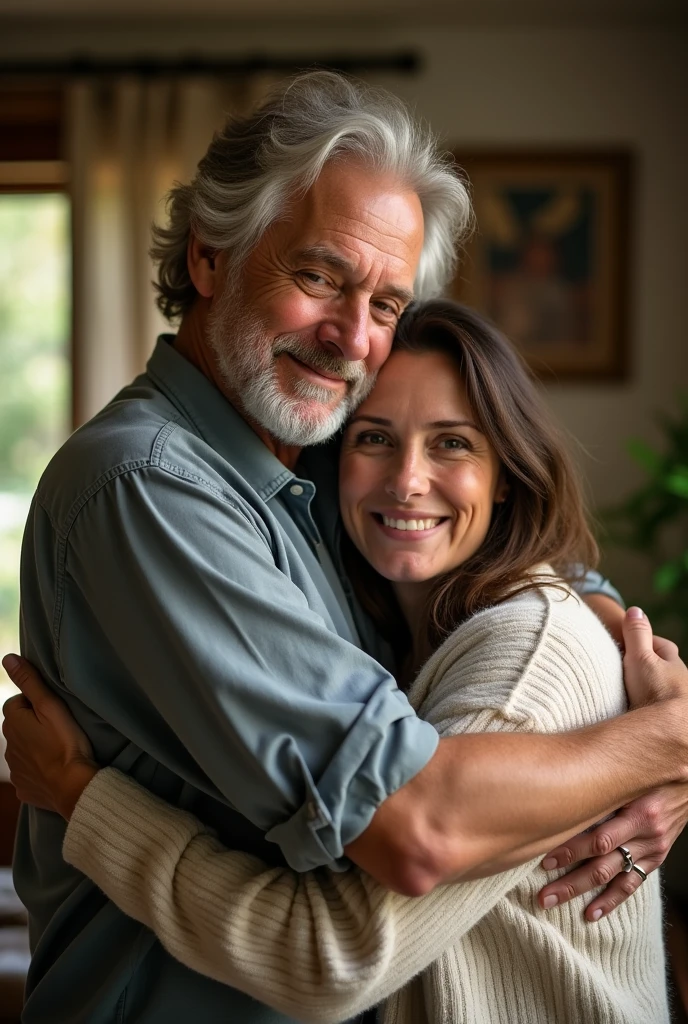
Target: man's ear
201,262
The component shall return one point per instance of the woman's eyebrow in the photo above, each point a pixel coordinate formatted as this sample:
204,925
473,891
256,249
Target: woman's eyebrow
434,425
453,423
371,419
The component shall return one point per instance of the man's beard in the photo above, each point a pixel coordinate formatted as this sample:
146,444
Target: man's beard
246,358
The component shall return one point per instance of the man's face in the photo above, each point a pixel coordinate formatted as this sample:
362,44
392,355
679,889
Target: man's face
301,335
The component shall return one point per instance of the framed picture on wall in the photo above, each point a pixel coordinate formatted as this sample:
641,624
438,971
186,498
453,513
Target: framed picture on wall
549,259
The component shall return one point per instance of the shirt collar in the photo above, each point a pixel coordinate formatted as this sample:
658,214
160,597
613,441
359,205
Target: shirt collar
215,419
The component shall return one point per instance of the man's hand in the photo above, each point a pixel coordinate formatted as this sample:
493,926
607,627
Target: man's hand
50,758
648,827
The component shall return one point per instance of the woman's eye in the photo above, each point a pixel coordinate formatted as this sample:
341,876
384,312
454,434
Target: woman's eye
371,437
453,444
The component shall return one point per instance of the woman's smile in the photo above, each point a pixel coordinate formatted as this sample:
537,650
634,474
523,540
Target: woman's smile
408,526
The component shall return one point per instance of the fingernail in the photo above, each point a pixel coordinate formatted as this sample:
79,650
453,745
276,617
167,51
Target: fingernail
635,613
10,663
550,901
597,914
549,863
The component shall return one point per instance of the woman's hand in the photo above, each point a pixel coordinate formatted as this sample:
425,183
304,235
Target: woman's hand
647,827
50,758
653,670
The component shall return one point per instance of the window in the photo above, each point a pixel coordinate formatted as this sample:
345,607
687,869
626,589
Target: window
35,325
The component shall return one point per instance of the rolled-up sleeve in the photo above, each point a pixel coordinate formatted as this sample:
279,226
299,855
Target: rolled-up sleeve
177,626
593,582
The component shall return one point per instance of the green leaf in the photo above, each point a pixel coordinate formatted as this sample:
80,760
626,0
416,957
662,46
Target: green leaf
667,577
677,482
644,455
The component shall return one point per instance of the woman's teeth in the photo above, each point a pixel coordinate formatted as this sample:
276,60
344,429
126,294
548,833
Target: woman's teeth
410,524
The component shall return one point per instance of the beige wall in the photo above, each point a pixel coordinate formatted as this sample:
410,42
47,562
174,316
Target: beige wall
519,86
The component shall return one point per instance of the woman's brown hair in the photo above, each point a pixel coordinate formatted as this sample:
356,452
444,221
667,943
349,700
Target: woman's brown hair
543,518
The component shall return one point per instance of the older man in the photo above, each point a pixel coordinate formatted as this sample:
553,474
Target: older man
177,592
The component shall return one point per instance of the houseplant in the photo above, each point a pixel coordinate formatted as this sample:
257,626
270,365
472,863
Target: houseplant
653,520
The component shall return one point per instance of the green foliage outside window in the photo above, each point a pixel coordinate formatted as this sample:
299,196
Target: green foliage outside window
34,368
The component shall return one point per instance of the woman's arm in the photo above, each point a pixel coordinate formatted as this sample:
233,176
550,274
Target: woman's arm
319,946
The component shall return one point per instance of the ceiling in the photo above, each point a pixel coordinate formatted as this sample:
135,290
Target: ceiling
319,12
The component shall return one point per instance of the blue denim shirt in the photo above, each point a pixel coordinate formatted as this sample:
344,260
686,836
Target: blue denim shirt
177,594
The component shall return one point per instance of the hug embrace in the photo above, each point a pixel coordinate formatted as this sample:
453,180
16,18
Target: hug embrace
327,669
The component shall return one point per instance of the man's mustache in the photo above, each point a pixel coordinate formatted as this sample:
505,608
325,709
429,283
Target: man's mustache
345,369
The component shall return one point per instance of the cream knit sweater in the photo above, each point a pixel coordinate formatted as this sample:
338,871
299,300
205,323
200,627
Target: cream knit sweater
322,946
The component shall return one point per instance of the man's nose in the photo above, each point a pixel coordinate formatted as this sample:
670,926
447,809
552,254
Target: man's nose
408,477
347,334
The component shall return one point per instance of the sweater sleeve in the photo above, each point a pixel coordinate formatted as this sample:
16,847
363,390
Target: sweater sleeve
320,946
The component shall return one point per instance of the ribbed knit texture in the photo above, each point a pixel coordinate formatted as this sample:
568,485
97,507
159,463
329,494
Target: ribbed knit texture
322,946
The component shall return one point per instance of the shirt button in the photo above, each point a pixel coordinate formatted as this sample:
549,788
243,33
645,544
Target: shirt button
296,490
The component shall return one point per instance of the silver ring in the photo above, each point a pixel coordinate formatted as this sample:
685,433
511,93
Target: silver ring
628,864
643,874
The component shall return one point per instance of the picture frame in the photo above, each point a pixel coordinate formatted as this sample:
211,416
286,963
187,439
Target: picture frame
549,259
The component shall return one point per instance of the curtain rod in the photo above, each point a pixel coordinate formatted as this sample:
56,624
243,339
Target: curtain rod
150,67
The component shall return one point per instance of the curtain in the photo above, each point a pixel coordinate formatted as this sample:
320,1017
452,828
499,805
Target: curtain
130,139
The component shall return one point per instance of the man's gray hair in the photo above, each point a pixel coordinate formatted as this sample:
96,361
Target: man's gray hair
261,162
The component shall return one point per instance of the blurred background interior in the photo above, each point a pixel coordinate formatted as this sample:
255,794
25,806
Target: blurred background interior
570,119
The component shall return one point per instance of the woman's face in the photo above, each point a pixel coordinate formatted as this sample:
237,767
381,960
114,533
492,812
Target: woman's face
418,479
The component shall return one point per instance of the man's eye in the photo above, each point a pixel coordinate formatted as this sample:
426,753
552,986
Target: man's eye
386,309
313,277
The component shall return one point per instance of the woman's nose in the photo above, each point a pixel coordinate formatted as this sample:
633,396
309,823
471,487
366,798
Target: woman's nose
407,479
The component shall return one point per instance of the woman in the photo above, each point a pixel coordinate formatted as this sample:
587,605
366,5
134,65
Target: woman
461,513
